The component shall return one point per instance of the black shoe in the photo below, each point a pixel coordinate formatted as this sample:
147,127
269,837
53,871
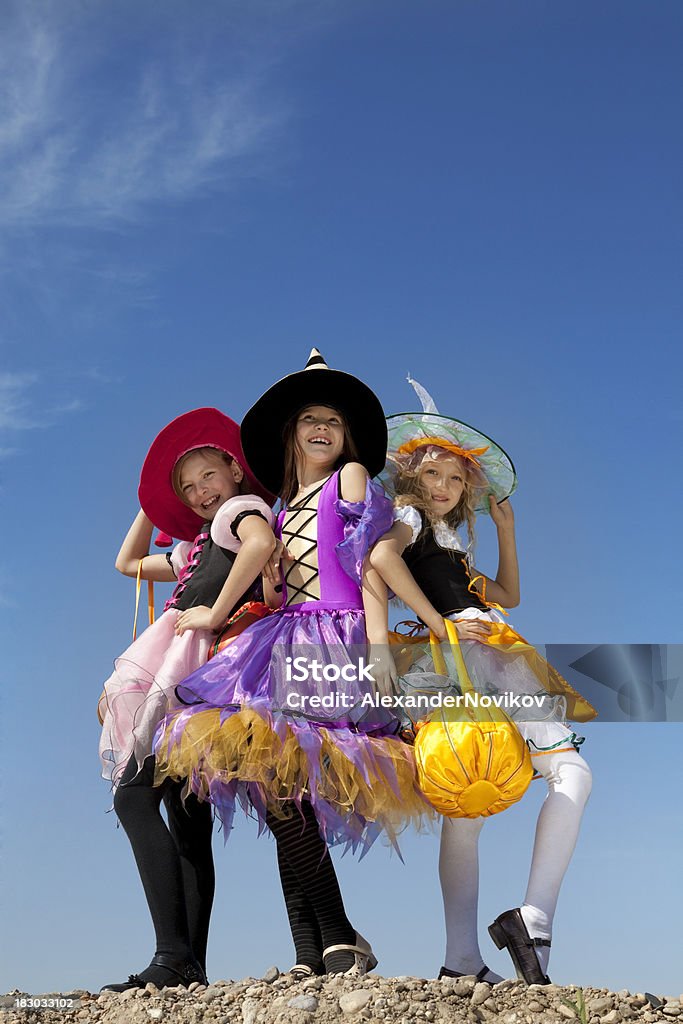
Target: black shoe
134,981
446,972
509,932
173,972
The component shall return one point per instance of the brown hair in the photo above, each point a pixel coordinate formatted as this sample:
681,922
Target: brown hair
410,491
218,453
290,480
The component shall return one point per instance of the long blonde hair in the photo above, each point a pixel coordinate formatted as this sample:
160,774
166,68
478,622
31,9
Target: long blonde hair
409,490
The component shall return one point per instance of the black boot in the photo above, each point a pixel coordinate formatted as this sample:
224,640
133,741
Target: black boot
165,971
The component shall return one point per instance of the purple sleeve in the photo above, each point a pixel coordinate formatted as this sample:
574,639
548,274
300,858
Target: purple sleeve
364,523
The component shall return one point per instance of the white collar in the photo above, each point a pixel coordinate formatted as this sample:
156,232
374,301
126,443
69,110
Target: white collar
446,537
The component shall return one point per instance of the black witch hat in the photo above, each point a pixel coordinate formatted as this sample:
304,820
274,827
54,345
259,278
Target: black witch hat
263,425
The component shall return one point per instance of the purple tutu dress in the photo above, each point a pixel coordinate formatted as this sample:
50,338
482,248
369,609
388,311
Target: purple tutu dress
264,726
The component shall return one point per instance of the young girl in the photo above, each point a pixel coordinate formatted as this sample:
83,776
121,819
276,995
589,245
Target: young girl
191,487
270,740
443,473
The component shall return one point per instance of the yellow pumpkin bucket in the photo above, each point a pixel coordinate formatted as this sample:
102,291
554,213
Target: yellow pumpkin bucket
471,762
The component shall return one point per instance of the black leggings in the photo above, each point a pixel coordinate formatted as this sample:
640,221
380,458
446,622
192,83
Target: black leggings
312,896
175,862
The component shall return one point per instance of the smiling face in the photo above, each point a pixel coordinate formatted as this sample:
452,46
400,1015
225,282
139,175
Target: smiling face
442,478
320,434
204,480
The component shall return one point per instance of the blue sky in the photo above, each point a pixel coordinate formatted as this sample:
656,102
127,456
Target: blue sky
484,195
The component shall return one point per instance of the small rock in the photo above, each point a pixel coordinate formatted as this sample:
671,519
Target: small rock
312,985
212,992
671,1010
613,1017
155,1013
250,1008
480,993
501,986
271,975
309,1003
534,1005
352,1002
600,1005
461,986
566,1011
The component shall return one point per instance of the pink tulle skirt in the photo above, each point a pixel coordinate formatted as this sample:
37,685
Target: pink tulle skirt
141,690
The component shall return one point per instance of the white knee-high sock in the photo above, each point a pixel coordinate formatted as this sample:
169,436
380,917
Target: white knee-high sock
459,875
569,785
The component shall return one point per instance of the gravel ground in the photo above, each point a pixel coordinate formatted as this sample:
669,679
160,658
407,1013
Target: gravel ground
279,999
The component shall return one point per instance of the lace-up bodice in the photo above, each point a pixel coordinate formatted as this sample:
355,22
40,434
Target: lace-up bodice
300,536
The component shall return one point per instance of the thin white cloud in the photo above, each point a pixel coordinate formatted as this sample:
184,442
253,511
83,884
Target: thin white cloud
88,142
93,374
15,411
21,407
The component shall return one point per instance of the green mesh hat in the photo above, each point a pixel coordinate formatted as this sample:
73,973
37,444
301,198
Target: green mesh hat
412,435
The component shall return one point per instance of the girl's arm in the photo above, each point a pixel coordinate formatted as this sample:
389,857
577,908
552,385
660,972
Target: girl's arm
504,590
354,480
376,605
257,545
385,557
272,576
135,547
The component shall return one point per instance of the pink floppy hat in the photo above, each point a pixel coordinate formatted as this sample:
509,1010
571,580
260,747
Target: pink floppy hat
200,428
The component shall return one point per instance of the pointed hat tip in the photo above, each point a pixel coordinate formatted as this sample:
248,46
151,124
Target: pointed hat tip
316,361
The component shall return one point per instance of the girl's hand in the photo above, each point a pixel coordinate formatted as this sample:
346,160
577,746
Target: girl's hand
383,668
502,514
271,570
472,629
200,617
